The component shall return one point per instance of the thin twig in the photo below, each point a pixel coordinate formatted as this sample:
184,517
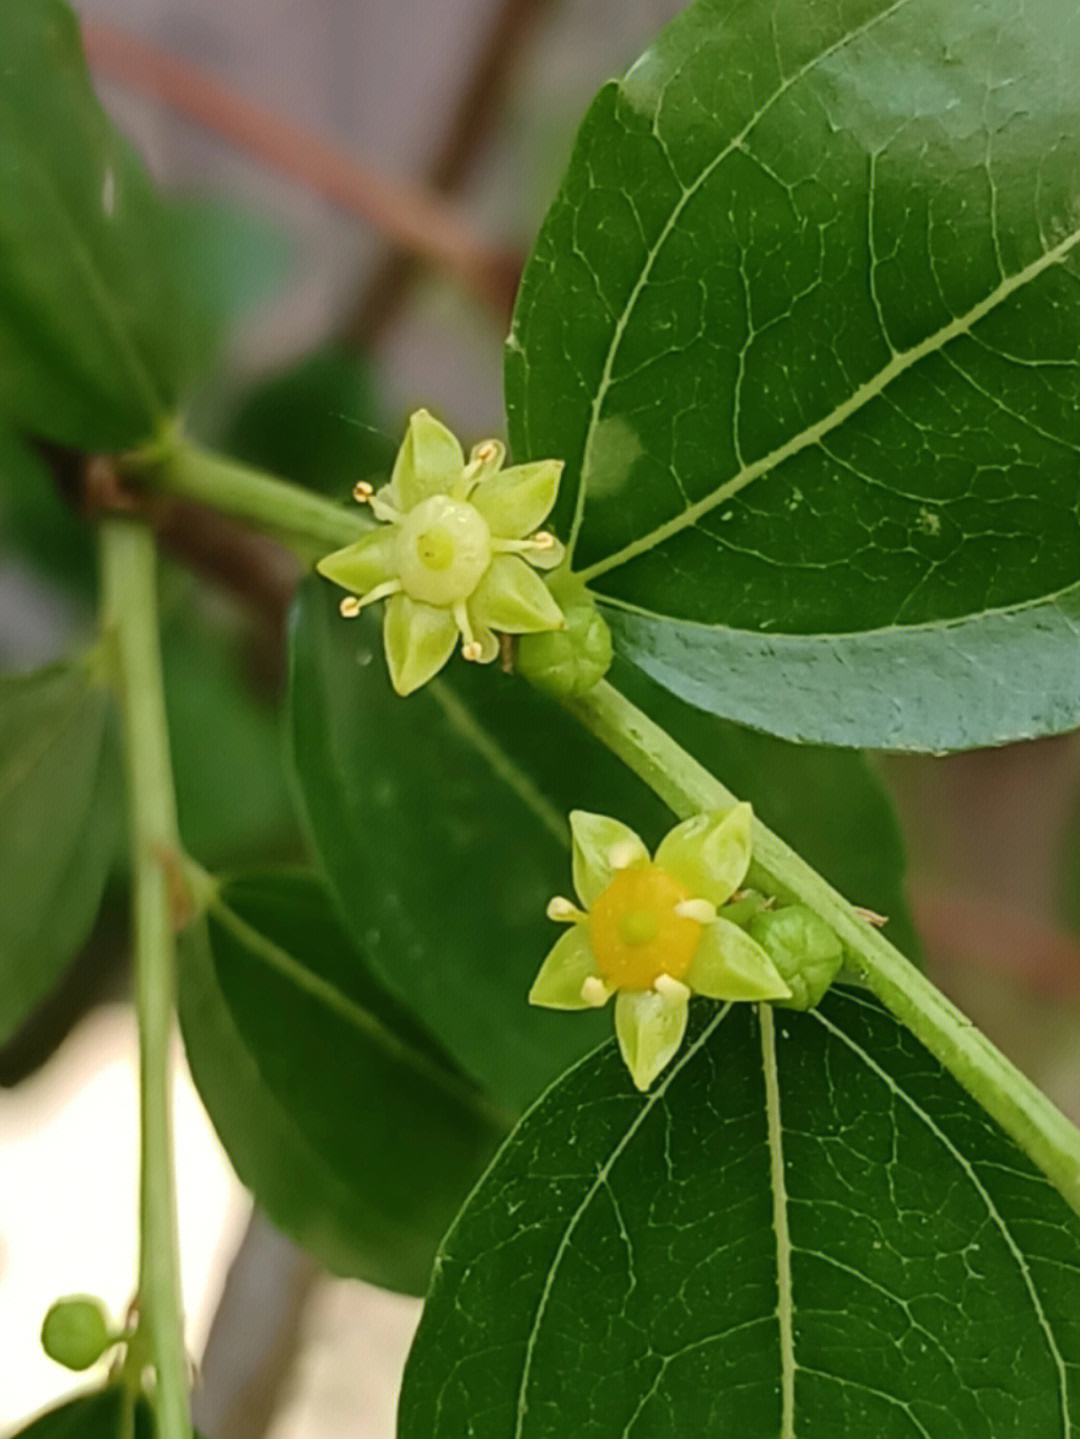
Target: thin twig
465,137
416,219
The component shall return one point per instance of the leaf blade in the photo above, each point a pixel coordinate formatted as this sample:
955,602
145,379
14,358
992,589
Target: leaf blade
355,1134
795,416
657,1260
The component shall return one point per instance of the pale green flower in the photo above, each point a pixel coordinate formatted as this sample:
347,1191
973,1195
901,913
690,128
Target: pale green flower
650,932
452,553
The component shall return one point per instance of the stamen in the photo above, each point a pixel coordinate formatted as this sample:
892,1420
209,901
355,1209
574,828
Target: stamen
362,492
622,854
472,649
595,992
351,605
670,989
699,909
565,911
543,540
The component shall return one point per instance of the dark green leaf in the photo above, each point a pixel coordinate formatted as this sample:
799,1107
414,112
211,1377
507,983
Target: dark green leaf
807,1229
101,326
440,821
802,321
60,806
92,1416
231,792
352,1129
312,424
35,523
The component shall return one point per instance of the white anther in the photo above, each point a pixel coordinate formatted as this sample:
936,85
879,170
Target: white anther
595,992
562,909
362,492
543,540
487,451
671,989
472,650
699,909
350,607
622,854
871,916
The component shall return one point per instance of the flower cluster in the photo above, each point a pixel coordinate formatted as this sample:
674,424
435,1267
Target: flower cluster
650,933
454,552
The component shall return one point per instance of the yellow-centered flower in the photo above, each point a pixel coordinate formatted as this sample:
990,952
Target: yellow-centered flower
649,931
452,552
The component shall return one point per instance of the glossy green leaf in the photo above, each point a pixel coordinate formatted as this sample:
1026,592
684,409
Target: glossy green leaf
805,1227
312,423
355,1133
93,1416
101,327
802,321
60,808
440,820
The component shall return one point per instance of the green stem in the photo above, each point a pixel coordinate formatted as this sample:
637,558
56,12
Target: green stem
1037,1126
306,521
130,601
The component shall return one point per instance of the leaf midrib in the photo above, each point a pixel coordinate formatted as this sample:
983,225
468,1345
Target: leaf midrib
400,1051
685,197
870,390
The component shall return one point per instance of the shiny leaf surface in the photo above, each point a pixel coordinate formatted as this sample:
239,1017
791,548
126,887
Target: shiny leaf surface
802,321
805,1227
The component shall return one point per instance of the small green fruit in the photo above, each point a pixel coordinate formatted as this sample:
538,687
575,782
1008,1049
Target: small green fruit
76,1332
567,662
804,949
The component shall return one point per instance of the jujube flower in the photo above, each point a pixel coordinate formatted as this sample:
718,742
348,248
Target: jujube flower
650,932
452,553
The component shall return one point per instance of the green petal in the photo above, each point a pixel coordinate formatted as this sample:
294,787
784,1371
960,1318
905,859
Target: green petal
516,502
567,967
511,598
367,562
730,965
595,835
429,462
710,853
649,1029
418,639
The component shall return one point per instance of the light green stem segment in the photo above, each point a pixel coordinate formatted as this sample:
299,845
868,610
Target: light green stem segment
128,563
1037,1126
306,521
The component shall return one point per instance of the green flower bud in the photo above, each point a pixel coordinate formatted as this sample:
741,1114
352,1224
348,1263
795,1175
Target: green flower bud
76,1332
804,949
568,661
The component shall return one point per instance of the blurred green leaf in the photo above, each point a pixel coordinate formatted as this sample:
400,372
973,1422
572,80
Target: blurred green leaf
802,322
93,1416
102,321
312,423
60,819
350,1126
227,746
805,1227
37,526
440,821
